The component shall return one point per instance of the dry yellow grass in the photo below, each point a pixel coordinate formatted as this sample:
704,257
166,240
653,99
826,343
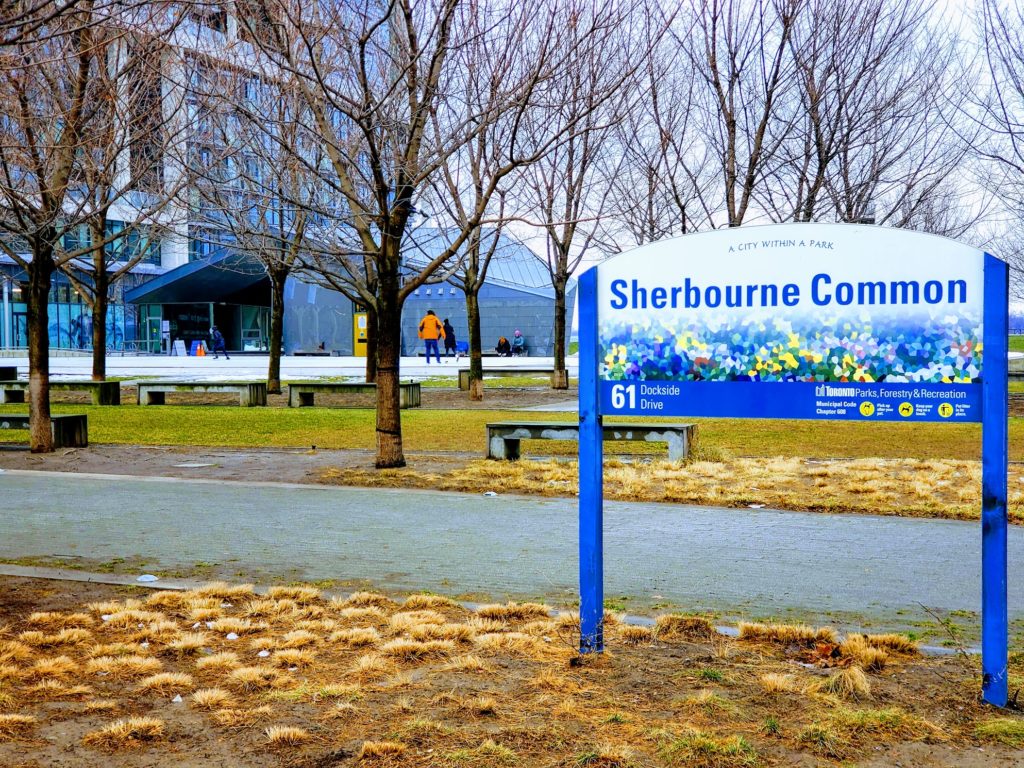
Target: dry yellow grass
56,666
223,591
54,620
189,643
132,619
773,682
123,666
71,636
166,598
212,698
12,650
370,665
864,485
429,602
514,642
219,662
298,638
514,611
365,614
868,656
285,736
255,678
205,614
300,594
848,683
115,649
237,626
242,718
14,726
894,643
165,683
468,663
675,626
403,621
633,635
355,638
413,650
261,609
458,633
50,690
293,657
110,607
365,600
375,750
124,734
786,634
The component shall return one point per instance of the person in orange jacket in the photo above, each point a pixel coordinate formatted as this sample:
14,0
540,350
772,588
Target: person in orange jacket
430,331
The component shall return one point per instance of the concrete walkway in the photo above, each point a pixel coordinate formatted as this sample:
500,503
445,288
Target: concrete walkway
758,561
255,366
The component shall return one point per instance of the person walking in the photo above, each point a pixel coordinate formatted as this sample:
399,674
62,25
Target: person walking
217,339
430,331
451,347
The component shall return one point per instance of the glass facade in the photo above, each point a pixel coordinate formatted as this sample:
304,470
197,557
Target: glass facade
70,318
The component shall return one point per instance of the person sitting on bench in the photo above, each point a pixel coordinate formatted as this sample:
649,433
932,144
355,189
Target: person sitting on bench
503,348
518,343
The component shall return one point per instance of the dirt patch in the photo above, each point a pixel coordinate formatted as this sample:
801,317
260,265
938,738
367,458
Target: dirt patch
293,679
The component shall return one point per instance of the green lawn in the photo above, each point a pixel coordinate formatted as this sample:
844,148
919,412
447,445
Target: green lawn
1017,343
454,430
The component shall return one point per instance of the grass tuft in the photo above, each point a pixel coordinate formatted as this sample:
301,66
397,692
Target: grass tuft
374,750
212,698
514,611
675,626
848,683
894,643
698,749
285,736
219,662
488,753
302,595
124,734
632,635
867,656
166,683
14,726
786,634
358,637
123,666
366,600
777,683
428,602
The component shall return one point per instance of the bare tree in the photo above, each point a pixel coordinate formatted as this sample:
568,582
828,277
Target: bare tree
740,50
566,195
663,184
120,171
58,107
258,188
384,89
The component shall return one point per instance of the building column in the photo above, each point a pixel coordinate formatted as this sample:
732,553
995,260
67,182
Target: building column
7,312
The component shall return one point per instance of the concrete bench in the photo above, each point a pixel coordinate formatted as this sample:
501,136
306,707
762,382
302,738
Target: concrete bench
68,430
503,437
8,373
464,373
301,393
250,393
102,392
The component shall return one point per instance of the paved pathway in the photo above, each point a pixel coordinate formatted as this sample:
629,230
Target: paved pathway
758,560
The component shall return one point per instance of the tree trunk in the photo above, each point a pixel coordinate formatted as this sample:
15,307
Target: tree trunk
476,347
100,303
388,356
277,281
40,275
560,379
371,345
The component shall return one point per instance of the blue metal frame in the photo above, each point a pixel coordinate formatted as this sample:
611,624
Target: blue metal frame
994,455
994,410
591,462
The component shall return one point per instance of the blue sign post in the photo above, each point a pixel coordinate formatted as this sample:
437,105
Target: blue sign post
807,321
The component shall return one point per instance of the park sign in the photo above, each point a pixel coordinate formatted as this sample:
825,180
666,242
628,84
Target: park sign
813,321
802,321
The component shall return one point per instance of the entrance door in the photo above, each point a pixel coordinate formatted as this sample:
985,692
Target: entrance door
152,335
20,330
